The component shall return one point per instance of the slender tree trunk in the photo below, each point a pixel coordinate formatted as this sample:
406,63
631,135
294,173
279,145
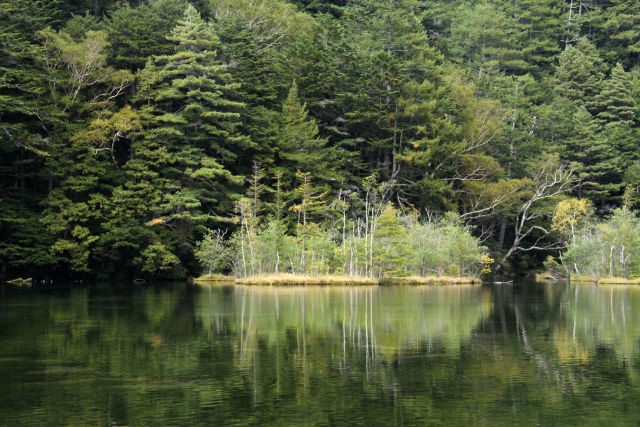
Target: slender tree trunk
503,230
244,262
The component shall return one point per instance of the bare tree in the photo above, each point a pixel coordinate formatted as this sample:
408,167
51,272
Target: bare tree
550,179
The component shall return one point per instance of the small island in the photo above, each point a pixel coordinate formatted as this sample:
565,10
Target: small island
285,279
386,247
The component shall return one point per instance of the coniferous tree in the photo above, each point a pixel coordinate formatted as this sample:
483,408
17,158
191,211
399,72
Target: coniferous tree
255,61
487,38
311,204
194,114
137,33
615,103
597,164
541,21
619,38
389,251
192,123
300,146
579,74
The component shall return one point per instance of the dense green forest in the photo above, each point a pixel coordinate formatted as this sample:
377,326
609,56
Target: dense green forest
142,138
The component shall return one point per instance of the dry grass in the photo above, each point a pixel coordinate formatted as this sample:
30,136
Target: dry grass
214,278
618,281
431,280
605,280
582,279
290,279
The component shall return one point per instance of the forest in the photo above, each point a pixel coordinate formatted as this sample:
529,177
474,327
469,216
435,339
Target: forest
170,138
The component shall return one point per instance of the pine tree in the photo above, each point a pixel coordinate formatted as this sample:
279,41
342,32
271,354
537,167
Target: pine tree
388,249
620,40
486,38
300,146
194,120
256,58
541,21
615,102
579,74
137,33
595,159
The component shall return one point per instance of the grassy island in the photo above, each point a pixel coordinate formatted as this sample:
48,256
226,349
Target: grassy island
430,280
604,280
214,278
293,280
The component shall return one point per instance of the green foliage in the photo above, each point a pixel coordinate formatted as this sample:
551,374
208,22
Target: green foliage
615,103
156,258
125,124
386,243
579,74
212,252
300,147
607,249
137,33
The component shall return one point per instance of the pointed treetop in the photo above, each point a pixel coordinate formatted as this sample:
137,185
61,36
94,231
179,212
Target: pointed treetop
193,33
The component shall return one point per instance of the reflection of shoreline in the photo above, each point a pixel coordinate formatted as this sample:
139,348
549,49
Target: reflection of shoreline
597,315
330,288
383,318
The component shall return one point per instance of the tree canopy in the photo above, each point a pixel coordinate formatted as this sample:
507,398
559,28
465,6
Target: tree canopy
137,136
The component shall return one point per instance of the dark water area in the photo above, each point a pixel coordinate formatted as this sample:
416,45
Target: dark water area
529,354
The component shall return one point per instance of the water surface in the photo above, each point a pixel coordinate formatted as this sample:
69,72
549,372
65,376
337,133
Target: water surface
232,355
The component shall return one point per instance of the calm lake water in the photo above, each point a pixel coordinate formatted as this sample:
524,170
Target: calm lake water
231,355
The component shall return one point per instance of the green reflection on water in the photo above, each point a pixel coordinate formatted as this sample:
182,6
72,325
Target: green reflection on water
226,355
600,315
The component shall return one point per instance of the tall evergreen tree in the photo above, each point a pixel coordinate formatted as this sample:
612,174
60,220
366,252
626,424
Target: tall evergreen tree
579,74
620,40
136,33
300,147
595,159
254,59
192,116
541,21
615,103
486,37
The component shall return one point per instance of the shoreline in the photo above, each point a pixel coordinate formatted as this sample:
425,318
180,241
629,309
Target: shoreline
604,280
214,278
328,280
591,280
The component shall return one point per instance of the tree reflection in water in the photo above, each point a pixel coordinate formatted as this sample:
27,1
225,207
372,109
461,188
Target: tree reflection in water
177,355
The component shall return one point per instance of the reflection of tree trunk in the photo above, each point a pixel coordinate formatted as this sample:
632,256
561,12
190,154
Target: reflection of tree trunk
521,331
373,335
304,344
244,300
366,330
545,364
344,327
503,319
575,313
613,322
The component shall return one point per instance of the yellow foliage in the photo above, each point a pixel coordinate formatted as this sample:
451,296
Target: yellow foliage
156,222
487,262
569,214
